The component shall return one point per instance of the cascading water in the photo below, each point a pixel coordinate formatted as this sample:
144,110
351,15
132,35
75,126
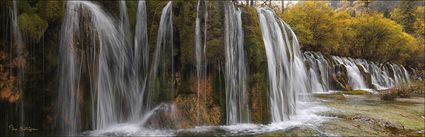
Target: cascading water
118,73
124,22
200,47
106,61
382,76
318,72
141,58
161,76
355,77
126,88
235,67
286,71
19,45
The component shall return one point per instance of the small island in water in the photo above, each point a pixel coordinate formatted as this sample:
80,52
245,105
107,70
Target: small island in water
212,68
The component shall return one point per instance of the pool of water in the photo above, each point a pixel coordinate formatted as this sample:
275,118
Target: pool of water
307,116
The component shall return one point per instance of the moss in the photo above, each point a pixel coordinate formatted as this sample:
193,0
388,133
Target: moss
215,32
344,127
184,21
51,11
407,112
356,92
337,96
24,6
295,132
257,60
32,26
203,110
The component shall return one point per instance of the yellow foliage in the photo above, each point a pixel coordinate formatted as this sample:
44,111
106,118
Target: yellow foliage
366,35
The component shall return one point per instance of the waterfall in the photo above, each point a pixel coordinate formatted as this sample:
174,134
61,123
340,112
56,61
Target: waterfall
141,57
124,22
161,76
117,71
19,45
69,73
318,72
382,76
235,67
200,47
286,70
106,61
355,77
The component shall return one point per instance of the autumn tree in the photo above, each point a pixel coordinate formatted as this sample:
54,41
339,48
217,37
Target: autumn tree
404,15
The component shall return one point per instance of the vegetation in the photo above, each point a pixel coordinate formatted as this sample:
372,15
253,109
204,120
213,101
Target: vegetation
404,91
365,34
356,92
359,29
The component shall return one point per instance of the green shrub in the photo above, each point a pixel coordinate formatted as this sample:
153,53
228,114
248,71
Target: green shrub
32,26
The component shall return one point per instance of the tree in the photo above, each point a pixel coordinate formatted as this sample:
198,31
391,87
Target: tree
380,39
419,24
404,15
318,26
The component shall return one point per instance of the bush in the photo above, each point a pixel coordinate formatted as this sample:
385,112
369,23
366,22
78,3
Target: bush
389,95
403,92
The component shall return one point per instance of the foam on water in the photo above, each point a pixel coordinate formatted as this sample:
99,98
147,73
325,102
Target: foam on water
127,129
306,117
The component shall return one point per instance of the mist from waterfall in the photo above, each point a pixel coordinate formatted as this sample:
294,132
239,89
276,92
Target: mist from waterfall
286,70
235,66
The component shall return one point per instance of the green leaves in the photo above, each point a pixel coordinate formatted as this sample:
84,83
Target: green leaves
32,26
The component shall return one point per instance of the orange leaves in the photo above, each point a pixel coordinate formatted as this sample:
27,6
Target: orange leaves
7,80
10,96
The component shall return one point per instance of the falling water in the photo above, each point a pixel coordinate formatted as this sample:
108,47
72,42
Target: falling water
287,74
161,76
200,51
355,77
117,71
97,56
70,73
382,76
19,45
106,63
235,67
141,57
124,22
318,72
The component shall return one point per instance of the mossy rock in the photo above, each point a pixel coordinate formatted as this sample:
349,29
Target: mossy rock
337,96
356,92
32,26
54,10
